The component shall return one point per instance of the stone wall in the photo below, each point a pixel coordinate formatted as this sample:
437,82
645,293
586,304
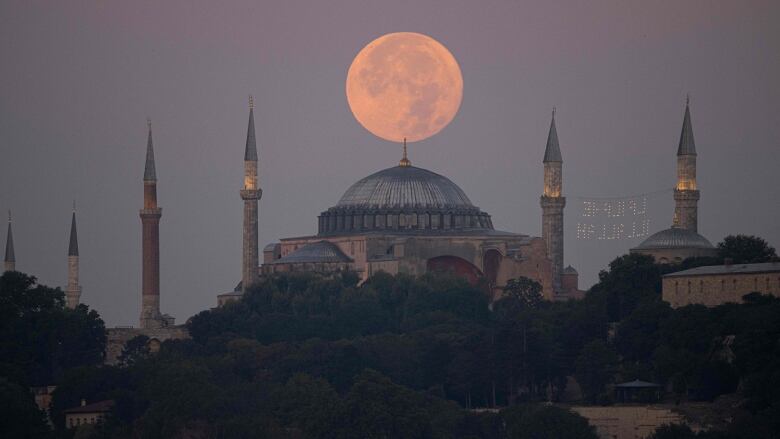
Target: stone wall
628,422
717,289
117,337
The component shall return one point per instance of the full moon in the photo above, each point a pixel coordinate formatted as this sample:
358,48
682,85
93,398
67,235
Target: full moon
404,85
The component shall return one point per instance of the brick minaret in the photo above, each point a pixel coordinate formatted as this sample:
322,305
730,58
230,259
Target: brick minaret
9,263
552,204
250,193
150,221
73,290
686,196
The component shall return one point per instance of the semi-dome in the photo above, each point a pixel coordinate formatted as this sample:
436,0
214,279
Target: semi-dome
405,199
675,237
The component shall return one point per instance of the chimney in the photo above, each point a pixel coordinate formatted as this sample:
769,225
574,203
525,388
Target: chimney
83,402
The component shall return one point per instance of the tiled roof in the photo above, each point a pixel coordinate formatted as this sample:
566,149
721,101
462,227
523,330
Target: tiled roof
96,407
765,267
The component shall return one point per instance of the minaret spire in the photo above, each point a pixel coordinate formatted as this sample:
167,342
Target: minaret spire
405,160
552,152
553,202
250,152
687,146
150,243
9,263
150,174
251,194
73,290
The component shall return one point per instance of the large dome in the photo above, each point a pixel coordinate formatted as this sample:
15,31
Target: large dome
675,237
403,199
405,186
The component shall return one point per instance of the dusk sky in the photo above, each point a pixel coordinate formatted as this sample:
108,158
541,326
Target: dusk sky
79,79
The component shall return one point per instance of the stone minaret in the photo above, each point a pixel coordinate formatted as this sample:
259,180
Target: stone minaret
150,221
250,193
9,263
686,196
73,290
552,204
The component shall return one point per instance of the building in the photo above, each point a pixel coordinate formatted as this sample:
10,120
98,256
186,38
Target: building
682,240
87,414
719,284
407,219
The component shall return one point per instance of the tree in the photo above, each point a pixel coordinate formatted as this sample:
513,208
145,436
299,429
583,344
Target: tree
545,422
19,416
595,368
743,249
525,292
136,349
39,338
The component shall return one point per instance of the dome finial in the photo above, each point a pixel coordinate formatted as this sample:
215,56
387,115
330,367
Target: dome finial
405,161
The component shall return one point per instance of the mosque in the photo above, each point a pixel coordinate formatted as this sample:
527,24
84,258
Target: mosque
406,219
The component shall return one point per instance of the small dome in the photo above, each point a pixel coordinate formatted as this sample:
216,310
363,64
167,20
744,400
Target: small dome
405,186
320,251
675,237
569,270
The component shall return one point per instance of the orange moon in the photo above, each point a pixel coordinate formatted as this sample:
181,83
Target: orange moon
404,84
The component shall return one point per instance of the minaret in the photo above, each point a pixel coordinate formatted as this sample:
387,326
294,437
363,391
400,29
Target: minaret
9,263
250,193
150,221
686,196
552,204
73,290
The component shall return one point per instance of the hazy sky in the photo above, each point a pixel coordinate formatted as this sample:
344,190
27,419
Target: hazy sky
79,78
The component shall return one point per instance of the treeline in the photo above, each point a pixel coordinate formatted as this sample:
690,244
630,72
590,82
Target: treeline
306,355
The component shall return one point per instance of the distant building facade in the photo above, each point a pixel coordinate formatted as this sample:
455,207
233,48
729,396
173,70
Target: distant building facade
682,240
719,284
87,414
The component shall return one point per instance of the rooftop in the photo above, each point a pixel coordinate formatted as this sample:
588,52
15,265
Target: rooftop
96,407
766,267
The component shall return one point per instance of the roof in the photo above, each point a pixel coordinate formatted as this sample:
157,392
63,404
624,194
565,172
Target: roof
250,152
73,247
637,384
552,152
96,407
687,146
675,237
569,270
405,186
150,174
320,251
765,267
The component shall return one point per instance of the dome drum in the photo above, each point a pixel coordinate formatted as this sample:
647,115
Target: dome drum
340,220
